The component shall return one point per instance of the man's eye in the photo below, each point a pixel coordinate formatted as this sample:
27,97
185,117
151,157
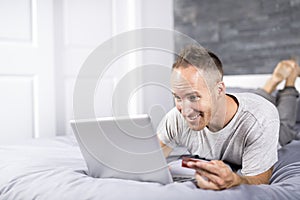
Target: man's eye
177,98
193,98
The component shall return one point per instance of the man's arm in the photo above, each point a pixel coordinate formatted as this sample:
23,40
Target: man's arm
166,150
216,175
262,178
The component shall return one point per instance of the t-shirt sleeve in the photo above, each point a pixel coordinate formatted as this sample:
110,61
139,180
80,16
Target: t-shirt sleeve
260,152
169,128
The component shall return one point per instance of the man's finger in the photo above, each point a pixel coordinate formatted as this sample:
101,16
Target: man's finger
205,184
212,177
208,166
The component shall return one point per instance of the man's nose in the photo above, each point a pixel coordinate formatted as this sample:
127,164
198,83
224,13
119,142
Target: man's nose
185,108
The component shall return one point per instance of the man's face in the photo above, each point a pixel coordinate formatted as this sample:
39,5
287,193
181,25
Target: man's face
192,96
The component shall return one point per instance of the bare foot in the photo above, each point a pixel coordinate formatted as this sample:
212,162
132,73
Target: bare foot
282,71
290,80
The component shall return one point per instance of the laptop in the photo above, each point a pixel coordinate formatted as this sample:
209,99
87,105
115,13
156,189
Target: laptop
122,147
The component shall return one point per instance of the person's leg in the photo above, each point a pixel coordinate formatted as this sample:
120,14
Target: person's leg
287,109
280,73
286,101
287,106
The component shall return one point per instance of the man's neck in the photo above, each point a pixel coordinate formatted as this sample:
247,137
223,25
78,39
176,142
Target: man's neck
224,114
231,109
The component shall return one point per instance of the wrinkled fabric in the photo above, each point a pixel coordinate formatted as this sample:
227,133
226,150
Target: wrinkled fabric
54,169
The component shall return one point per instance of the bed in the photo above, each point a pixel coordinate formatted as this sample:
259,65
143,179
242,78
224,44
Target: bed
54,168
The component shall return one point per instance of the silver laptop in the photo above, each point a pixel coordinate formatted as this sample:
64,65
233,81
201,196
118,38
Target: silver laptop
122,147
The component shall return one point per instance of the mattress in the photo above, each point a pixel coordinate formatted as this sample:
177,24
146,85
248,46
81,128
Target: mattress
55,169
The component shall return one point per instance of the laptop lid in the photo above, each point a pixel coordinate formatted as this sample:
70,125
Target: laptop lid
122,147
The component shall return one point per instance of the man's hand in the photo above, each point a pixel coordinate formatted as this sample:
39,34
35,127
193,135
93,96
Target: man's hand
216,175
166,150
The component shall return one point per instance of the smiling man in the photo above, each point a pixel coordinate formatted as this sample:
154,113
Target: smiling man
241,129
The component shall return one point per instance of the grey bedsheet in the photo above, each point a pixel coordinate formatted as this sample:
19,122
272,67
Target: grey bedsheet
54,169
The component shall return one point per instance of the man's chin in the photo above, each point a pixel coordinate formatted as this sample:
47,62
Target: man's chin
196,127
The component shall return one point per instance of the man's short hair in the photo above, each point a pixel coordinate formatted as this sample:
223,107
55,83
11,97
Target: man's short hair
201,58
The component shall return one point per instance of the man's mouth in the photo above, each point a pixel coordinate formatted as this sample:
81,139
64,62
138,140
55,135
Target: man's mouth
192,118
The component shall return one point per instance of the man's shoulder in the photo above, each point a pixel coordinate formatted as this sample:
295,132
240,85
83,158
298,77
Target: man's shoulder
257,106
253,101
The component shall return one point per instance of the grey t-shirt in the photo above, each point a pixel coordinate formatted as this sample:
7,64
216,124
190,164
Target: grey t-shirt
250,139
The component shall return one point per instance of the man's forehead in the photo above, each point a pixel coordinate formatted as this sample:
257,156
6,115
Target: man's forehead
187,76
185,88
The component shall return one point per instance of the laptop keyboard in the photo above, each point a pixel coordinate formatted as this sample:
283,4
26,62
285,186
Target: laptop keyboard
181,179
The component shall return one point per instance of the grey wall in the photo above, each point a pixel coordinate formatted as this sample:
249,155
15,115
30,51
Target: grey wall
250,36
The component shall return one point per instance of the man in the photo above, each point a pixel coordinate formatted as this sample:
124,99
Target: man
241,129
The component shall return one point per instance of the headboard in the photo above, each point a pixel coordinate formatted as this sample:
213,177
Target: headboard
251,81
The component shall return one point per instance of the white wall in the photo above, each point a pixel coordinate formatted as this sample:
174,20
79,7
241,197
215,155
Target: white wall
43,44
158,100
80,26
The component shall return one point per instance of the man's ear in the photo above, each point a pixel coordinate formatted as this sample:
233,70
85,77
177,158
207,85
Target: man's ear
221,88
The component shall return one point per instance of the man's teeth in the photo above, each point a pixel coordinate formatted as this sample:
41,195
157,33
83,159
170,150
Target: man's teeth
195,117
